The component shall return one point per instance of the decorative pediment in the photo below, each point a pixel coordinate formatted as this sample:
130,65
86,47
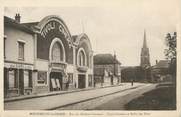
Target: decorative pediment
79,38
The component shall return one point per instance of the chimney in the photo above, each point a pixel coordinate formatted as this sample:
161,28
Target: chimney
17,17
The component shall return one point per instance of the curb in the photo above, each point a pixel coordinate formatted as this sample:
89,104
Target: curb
57,93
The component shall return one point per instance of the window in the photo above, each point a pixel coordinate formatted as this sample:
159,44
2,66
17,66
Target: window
57,53
70,78
42,77
27,79
21,50
12,79
81,61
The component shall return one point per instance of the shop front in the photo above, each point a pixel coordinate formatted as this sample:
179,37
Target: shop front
17,79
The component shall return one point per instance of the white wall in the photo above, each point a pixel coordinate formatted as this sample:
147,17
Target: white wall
11,45
70,68
41,65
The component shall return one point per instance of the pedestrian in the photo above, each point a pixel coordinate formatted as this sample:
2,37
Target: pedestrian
111,79
94,83
132,82
67,84
75,85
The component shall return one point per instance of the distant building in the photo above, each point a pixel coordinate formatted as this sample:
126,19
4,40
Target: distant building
160,71
106,69
43,56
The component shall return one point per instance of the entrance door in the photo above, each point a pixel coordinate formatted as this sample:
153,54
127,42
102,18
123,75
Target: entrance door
55,81
81,81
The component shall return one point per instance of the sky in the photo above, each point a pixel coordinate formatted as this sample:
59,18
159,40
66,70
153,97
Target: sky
117,28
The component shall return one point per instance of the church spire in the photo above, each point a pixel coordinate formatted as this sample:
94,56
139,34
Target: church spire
144,40
145,56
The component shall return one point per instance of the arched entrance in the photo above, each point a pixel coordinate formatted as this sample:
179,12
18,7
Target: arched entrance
55,81
57,65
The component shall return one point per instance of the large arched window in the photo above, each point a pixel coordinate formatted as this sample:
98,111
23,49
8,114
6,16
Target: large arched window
57,51
81,60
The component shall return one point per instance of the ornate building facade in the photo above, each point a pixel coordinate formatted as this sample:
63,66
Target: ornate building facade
43,57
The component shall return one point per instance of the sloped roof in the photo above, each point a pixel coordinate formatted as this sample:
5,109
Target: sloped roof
11,22
101,59
162,64
31,24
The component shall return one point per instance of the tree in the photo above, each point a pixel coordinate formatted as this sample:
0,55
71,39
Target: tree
171,53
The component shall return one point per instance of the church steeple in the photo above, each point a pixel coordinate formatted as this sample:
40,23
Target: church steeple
144,41
145,56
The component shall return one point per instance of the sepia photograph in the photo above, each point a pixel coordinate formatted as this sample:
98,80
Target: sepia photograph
98,58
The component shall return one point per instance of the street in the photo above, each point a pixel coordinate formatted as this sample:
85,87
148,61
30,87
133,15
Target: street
111,102
99,99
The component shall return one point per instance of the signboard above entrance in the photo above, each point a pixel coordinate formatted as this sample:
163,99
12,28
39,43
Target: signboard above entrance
49,30
52,25
18,66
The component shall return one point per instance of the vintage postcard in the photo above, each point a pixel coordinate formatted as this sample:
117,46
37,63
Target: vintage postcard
91,59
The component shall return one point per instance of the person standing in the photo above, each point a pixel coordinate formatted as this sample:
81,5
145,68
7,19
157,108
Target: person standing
67,84
112,79
132,82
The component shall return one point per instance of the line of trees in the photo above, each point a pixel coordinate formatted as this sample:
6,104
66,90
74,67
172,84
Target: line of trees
137,74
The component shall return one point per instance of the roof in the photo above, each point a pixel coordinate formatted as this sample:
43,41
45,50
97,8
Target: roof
11,22
162,64
31,24
101,59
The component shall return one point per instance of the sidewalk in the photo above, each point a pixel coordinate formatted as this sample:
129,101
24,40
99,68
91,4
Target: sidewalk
54,101
57,93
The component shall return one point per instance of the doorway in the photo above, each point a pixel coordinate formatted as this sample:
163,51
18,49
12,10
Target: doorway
55,81
81,81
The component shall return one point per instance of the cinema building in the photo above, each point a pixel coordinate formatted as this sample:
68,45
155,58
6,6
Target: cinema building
43,56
